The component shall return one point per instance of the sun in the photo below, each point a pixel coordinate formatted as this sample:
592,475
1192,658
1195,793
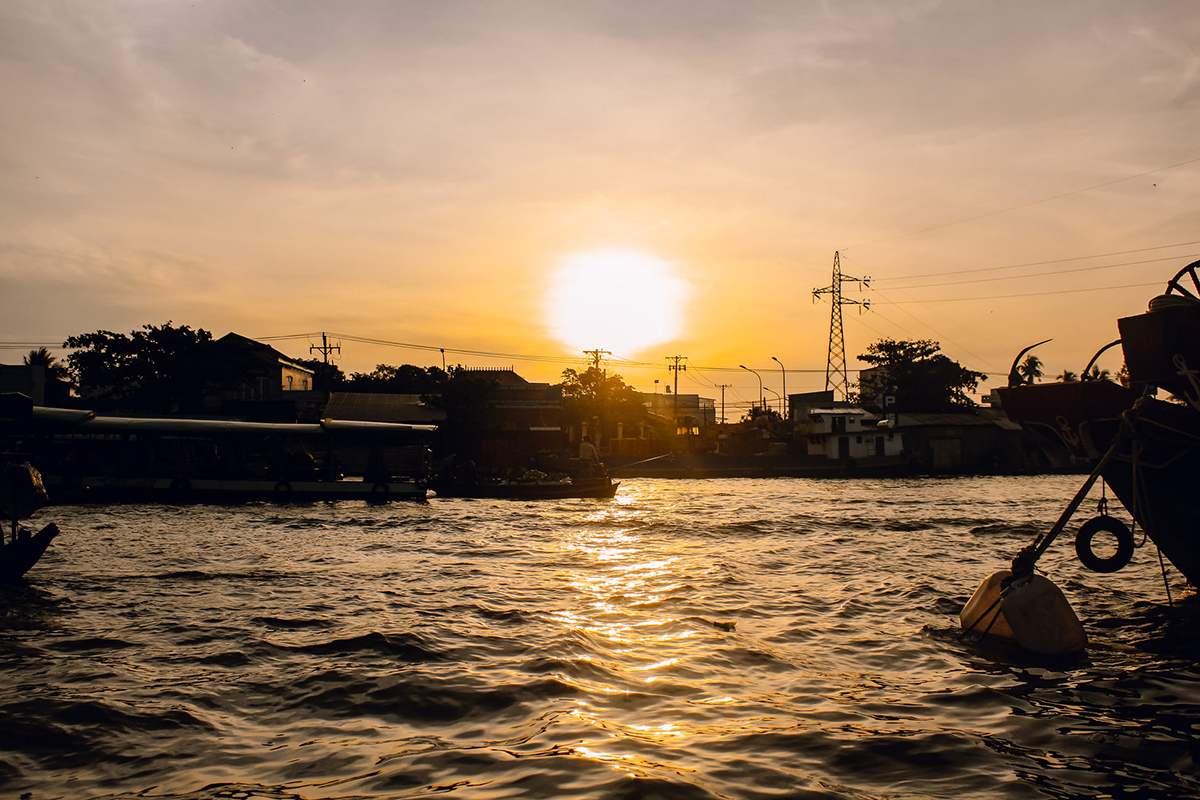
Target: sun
620,300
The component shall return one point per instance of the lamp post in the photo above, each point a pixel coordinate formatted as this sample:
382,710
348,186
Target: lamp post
760,385
787,408
772,391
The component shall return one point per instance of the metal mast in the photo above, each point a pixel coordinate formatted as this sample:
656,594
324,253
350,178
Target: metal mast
835,363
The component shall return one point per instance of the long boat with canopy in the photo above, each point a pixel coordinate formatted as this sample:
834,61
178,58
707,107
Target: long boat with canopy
85,457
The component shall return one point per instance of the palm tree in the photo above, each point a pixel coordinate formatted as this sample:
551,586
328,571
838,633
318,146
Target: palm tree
1067,377
1097,374
42,357
1030,369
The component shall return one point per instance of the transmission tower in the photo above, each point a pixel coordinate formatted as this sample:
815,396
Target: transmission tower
835,364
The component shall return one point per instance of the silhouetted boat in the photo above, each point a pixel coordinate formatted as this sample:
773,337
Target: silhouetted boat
18,557
1148,448
598,487
89,458
21,494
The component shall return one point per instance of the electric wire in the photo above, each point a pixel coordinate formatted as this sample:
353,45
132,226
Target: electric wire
1041,263
1091,268
1030,203
901,303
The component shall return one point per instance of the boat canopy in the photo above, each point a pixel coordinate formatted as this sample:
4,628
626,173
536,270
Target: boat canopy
89,422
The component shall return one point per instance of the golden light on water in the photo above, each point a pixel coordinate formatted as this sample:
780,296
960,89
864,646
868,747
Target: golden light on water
620,300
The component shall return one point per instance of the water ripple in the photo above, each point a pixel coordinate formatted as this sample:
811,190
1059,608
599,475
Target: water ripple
715,639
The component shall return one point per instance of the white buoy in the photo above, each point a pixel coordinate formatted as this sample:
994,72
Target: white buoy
1032,612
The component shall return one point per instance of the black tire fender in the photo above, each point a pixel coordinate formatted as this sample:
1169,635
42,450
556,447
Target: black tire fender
1104,524
283,491
380,491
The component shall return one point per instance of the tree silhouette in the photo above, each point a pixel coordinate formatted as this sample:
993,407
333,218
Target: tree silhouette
920,376
42,357
1030,369
1067,376
150,369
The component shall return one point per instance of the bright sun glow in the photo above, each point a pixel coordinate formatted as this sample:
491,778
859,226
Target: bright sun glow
618,300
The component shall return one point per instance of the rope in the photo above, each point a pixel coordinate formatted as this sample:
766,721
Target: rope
1135,451
1163,566
987,611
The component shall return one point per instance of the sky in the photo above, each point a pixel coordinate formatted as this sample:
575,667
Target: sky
418,171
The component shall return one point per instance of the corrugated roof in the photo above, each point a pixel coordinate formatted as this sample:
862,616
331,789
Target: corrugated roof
381,407
953,419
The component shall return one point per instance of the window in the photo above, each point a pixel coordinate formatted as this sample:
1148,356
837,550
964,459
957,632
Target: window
305,384
290,379
858,440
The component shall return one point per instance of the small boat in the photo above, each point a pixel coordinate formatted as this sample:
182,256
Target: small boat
19,555
597,487
21,494
1147,449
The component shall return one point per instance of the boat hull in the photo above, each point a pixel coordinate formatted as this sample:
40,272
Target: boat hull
602,488
1155,467
17,558
219,491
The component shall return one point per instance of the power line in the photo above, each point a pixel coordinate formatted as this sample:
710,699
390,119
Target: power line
941,336
901,303
1042,263
1091,268
1031,203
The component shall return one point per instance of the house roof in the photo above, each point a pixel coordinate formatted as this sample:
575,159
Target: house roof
381,407
501,375
956,419
236,340
859,412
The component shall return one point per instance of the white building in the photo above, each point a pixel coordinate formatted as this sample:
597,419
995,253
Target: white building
841,433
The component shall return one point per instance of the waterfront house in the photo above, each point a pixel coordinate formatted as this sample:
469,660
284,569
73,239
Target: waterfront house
241,377
846,432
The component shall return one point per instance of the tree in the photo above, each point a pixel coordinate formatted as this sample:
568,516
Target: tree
920,376
1123,376
1067,376
403,379
1030,369
42,357
150,369
1097,374
594,393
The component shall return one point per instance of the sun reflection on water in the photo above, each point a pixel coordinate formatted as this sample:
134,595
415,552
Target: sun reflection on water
624,602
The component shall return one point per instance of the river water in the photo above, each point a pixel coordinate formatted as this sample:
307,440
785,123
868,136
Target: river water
708,638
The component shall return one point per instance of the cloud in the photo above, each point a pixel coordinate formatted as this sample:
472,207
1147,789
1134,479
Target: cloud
346,161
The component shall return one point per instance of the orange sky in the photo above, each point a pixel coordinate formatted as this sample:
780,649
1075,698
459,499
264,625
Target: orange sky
415,171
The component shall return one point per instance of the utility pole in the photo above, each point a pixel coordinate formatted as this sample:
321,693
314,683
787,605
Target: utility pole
597,356
325,348
675,367
835,362
723,387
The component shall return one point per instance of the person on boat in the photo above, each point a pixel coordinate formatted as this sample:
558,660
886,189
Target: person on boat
589,460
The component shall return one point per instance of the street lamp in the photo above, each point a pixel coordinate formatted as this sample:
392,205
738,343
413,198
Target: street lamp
760,385
787,409
772,391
